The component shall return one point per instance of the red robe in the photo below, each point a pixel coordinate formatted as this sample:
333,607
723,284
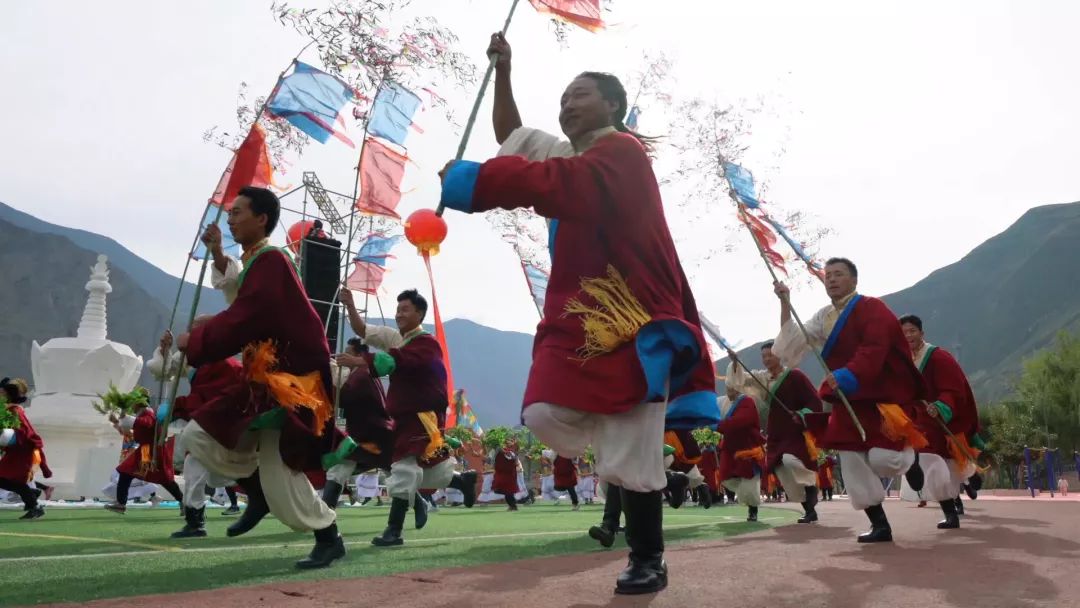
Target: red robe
366,420
505,479
870,345
946,383
417,385
606,214
825,475
710,469
209,381
18,460
270,305
565,473
785,435
137,464
742,431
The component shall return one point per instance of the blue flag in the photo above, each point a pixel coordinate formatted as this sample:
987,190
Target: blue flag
742,182
392,113
311,101
376,249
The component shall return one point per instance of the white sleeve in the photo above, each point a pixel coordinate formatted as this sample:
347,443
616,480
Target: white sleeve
7,437
156,364
383,338
228,282
790,344
126,423
338,373
535,144
744,383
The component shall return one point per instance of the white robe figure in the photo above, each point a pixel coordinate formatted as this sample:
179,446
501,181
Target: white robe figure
367,485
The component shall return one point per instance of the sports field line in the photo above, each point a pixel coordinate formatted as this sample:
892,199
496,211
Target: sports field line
45,558
94,540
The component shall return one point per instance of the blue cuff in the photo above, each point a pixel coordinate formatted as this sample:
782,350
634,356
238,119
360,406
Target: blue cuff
846,381
163,411
945,411
693,411
668,351
458,185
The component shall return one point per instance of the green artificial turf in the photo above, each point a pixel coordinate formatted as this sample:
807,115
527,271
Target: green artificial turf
81,554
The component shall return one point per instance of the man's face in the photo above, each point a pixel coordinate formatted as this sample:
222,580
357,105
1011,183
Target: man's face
732,394
246,227
583,109
914,336
408,317
770,360
839,281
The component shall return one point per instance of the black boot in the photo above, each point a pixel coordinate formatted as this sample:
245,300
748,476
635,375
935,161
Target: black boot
809,506
880,531
959,506
952,519
677,483
331,493
609,525
704,496
328,547
420,511
391,536
256,509
35,512
751,514
974,484
914,475
646,571
466,484
195,526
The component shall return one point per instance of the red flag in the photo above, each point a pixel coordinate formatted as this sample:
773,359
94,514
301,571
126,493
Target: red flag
440,335
765,239
250,166
366,277
381,170
582,13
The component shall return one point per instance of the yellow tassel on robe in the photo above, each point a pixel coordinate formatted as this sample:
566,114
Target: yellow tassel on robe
811,446
615,321
430,420
897,426
289,390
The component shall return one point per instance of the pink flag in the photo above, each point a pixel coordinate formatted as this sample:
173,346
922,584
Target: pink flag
381,170
582,13
366,277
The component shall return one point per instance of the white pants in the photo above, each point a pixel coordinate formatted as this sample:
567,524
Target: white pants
341,472
547,488
288,493
586,487
863,471
367,485
942,480
407,477
794,476
626,445
696,478
747,491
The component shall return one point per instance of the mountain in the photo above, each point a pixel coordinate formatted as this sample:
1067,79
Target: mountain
1005,300
160,285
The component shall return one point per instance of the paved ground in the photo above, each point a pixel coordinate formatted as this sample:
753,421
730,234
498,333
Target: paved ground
1009,554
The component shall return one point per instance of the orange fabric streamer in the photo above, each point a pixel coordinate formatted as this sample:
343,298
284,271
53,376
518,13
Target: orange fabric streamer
959,448
290,391
35,463
440,335
672,438
756,454
897,426
811,446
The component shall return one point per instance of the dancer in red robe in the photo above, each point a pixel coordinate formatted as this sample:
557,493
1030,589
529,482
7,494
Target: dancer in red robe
266,432
825,478
143,463
870,361
22,450
795,416
742,453
950,404
505,480
620,347
566,478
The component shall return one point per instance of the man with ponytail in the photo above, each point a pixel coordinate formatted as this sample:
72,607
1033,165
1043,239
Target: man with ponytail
620,347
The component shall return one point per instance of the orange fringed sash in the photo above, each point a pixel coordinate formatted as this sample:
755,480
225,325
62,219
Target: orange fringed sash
811,446
672,438
289,390
959,448
145,459
35,464
897,426
430,420
756,454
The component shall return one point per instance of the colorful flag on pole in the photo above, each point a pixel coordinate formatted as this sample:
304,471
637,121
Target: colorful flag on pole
742,183
812,265
381,171
311,100
392,113
582,13
440,335
366,277
466,417
632,118
765,238
250,166
538,284
228,245
376,249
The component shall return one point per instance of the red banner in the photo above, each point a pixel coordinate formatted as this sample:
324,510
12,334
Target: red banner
440,335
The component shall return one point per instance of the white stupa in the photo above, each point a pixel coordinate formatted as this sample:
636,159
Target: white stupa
81,446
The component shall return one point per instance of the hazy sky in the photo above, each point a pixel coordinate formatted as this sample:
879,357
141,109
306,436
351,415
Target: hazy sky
915,130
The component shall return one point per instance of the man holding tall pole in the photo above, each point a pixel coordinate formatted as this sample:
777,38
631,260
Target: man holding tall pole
869,361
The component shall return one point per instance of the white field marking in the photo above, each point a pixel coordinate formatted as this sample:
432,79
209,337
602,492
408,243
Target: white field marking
180,550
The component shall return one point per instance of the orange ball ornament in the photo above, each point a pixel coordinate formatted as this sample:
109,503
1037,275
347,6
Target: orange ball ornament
296,233
425,229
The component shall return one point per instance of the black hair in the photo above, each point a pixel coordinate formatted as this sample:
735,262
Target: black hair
611,89
417,300
358,345
12,391
768,344
911,320
263,202
846,262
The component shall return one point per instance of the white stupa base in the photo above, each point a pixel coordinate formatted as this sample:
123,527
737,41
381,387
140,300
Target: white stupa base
81,447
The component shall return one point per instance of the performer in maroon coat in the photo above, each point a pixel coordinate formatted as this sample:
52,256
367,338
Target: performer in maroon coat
141,463
870,361
742,452
505,479
825,478
278,422
620,346
21,450
416,401
566,478
945,461
795,416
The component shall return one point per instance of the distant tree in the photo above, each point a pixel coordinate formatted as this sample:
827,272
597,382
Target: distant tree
1010,428
1050,388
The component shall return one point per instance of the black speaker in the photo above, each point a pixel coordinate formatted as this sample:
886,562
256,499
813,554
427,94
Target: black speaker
321,274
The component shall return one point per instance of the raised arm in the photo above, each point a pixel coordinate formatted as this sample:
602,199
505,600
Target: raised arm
504,113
